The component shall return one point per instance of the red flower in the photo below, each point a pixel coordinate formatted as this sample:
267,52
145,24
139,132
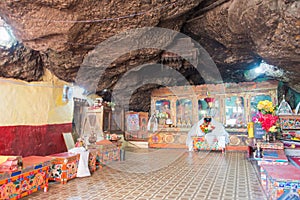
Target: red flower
266,120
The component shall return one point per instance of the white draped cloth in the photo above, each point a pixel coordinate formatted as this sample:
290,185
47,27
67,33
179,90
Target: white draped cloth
152,124
83,165
218,133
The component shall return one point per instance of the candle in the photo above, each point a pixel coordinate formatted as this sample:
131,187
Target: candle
251,130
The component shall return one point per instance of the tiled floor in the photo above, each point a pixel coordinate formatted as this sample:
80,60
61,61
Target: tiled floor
176,174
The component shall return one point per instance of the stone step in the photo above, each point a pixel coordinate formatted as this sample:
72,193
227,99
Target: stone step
137,144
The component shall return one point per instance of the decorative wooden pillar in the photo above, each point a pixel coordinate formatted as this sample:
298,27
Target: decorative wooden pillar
173,109
195,110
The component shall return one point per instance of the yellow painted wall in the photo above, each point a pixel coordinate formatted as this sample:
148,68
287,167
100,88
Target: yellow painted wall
34,103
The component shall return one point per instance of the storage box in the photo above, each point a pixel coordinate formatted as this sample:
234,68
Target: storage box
93,154
282,182
108,151
34,176
64,166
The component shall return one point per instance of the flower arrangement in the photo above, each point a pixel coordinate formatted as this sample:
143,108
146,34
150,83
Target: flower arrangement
162,115
80,143
266,116
206,127
266,107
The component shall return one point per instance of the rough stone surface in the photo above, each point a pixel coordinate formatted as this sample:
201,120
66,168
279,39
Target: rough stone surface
63,36
21,63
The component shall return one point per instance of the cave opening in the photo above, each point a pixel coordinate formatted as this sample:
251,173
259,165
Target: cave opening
7,38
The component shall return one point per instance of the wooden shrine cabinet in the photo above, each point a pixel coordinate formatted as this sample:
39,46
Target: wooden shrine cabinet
290,122
290,127
116,122
136,126
102,120
233,104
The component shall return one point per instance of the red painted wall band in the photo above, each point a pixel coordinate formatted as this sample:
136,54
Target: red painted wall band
33,140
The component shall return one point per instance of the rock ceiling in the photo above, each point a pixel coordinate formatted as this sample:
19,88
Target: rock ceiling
64,35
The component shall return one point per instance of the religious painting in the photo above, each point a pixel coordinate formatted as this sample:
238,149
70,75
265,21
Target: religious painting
184,112
163,110
235,111
133,122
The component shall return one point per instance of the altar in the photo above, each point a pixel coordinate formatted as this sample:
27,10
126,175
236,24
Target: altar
178,108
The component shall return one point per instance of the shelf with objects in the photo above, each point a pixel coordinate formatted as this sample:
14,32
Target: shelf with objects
290,126
278,172
264,132
178,108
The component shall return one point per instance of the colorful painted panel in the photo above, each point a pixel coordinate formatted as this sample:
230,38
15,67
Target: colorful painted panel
64,167
200,143
106,151
281,182
290,122
92,160
238,140
33,177
133,122
168,140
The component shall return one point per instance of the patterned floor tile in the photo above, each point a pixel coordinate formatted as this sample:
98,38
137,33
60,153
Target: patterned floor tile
186,176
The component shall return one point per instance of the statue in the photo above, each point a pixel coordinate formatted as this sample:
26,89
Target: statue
216,130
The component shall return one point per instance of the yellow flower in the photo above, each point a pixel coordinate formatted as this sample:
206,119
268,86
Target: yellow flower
273,129
259,106
266,106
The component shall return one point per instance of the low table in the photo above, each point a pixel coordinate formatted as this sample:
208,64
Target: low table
33,177
281,182
64,166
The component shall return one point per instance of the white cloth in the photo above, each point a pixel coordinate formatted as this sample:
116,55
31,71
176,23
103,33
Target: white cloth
219,134
83,165
152,123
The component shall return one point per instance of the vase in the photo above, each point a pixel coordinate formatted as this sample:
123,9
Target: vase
270,137
266,137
